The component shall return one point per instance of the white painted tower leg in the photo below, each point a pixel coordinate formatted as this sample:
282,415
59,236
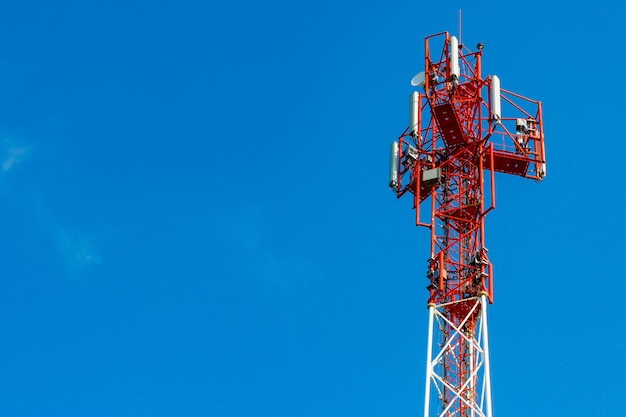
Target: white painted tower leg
487,372
429,359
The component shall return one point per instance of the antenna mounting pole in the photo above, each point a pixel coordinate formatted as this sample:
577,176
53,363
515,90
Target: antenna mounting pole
460,27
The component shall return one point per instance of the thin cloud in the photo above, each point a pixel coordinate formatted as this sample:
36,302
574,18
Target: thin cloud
78,251
12,156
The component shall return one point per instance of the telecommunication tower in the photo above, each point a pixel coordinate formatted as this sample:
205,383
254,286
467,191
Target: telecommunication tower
462,129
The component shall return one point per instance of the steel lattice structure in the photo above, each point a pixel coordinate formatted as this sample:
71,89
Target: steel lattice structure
462,129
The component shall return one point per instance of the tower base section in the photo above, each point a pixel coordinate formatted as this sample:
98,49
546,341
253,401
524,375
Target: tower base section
457,364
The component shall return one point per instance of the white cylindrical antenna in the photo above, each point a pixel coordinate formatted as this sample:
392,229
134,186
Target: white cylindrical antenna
542,167
454,58
393,165
542,170
495,99
414,113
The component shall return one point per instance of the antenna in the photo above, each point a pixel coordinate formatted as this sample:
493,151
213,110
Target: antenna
418,80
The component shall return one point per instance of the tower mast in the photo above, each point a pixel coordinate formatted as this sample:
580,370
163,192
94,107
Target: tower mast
462,129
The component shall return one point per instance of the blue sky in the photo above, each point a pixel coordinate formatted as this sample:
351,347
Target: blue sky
196,220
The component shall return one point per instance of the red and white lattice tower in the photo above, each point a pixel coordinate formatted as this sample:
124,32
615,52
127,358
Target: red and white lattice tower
463,128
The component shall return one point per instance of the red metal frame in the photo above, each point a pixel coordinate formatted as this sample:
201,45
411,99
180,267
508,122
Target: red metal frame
459,137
